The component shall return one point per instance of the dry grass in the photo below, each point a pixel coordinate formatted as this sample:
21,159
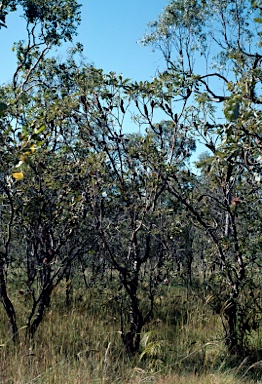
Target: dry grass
182,345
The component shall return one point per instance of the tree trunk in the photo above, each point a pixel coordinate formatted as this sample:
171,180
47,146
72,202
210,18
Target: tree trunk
233,339
131,339
69,287
8,306
42,304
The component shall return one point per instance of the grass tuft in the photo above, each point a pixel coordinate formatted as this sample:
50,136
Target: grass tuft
183,344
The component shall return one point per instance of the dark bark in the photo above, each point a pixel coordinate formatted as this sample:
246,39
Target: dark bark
69,287
8,306
42,303
131,339
233,340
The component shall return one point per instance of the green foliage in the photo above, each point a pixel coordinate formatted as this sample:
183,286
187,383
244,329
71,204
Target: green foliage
230,173
81,197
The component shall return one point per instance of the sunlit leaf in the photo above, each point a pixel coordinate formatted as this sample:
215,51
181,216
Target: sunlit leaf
41,129
33,148
18,175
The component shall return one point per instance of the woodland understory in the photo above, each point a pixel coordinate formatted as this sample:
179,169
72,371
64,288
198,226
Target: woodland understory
121,233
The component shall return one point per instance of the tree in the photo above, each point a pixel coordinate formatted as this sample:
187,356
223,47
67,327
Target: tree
47,24
186,33
75,189
125,181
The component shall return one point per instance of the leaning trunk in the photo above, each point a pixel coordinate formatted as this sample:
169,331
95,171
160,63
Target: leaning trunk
8,306
69,287
44,301
41,303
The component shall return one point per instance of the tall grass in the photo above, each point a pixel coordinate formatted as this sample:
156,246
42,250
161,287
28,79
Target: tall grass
82,344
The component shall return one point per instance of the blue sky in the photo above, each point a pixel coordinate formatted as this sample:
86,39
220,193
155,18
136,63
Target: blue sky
109,32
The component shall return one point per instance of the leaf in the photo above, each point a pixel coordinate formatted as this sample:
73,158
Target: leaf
25,159
29,150
33,148
122,106
3,106
145,109
18,175
40,130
